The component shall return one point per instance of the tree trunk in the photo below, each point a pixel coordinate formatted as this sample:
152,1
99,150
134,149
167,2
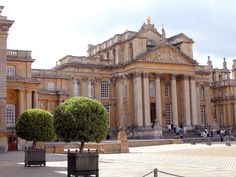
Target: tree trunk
81,149
34,145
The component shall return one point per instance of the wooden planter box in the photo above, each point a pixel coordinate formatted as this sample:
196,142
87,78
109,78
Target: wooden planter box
85,163
35,157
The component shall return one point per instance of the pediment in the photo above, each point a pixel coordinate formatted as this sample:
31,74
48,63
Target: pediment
167,54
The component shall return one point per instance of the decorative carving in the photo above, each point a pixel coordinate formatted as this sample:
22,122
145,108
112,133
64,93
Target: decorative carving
165,55
98,79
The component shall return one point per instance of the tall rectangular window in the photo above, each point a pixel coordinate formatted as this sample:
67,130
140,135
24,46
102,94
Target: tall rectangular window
152,89
10,113
105,89
107,107
167,89
202,115
51,86
76,85
11,71
91,89
168,114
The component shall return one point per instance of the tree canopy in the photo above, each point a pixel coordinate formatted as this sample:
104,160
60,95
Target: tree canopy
35,125
81,119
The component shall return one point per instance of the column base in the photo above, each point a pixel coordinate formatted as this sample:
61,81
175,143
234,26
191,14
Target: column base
146,133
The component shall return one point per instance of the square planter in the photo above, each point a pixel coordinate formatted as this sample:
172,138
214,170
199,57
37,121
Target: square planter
35,157
85,163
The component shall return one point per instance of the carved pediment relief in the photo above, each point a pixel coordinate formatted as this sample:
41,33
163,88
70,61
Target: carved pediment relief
166,54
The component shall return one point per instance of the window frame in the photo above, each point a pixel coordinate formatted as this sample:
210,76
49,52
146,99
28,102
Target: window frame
12,112
11,71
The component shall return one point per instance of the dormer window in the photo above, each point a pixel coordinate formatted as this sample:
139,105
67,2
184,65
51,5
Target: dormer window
11,71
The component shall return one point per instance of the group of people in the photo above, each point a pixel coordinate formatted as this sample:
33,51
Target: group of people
178,130
208,132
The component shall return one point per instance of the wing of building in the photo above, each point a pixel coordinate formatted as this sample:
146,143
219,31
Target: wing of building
145,80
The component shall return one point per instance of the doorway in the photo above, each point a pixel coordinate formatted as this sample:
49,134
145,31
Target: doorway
12,143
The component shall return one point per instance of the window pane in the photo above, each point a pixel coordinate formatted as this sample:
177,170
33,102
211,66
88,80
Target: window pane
105,89
152,88
10,113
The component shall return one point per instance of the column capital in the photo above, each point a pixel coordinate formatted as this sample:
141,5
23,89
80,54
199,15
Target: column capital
84,78
137,74
146,75
98,78
186,76
173,76
158,75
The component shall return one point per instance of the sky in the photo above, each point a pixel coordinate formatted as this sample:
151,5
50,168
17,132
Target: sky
52,29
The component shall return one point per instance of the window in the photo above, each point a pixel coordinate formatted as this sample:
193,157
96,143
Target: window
51,86
76,87
131,51
91,88
152,88
167,88
108,55
105,89
10,114
107,107
202,115
11,71
202,94
114,54
168,114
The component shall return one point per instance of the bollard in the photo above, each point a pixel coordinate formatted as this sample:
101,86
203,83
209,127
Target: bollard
155,172
208,141
227,143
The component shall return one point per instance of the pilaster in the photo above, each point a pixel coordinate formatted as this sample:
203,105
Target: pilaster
146,100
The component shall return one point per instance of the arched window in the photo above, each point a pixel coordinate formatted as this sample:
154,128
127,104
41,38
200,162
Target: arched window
152,88
91,88
167,89
105,89
202,92
131,51
108,55
76,84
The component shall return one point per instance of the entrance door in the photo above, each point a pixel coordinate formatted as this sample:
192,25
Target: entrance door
12,143
153,112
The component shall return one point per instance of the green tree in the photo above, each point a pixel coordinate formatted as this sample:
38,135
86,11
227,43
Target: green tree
81,119
35,125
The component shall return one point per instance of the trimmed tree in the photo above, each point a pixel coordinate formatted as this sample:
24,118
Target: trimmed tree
35,125
81,119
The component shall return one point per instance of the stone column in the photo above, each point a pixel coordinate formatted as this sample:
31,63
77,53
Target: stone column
146,100
138,102
174,100
98,88
194,101
84,86
35,99
28,99
235,114
120,102
187,102
21,102
158,100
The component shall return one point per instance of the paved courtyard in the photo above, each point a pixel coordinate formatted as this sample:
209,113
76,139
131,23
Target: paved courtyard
216,160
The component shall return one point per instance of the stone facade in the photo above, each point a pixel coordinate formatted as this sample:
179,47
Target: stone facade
145,80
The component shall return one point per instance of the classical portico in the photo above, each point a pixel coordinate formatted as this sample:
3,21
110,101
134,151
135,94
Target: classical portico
143,100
